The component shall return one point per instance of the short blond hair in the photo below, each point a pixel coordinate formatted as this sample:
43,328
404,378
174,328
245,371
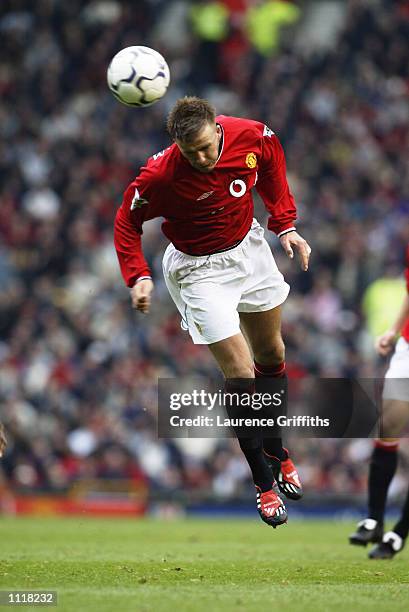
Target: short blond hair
188,116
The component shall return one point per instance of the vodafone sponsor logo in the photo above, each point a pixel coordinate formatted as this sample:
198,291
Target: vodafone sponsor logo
237,188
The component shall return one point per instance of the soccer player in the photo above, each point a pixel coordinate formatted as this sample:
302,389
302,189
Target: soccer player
384,460
218,268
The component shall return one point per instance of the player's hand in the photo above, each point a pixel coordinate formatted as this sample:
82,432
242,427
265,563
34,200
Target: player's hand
3,440
385,343
141,295
292,241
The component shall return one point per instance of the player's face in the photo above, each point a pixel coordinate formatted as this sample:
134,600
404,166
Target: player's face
202,152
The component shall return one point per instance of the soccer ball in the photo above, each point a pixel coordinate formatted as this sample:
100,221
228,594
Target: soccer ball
138,76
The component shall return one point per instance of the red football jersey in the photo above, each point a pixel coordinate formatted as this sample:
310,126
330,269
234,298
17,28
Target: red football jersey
205,212
405,330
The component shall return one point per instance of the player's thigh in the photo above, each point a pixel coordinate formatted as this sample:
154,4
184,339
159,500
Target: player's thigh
396,384
394,418
207,304
263,330
211,309
264,287
233,356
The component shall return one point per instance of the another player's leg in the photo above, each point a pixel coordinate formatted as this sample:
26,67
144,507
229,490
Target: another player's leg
383,464
234,359
263,330
394,420
393,541
382,469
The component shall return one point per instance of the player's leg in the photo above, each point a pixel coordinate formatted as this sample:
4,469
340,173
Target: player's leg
393,541
395,415
234,359
384,459
382,468
395,418
402,526
263,330
207,291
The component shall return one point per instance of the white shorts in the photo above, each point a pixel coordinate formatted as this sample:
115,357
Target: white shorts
210,290
396,385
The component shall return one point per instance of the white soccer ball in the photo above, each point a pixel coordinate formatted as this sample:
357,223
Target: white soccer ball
138,76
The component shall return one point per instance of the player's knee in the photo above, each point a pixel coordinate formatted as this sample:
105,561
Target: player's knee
238,370
273,353
394,418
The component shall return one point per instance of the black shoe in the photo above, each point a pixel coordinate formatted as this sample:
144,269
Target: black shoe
286,476
271,508
368,531
391,544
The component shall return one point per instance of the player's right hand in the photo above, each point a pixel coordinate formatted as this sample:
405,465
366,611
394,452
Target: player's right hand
3,440
293,240
385,343
141,295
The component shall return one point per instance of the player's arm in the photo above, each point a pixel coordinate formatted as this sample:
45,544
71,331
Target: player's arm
272,185
3,440
127,238
385,343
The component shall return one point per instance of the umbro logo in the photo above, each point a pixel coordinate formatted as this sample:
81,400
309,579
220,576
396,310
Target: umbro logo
204,195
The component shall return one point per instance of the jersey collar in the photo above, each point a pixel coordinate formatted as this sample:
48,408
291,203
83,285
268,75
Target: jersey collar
221,143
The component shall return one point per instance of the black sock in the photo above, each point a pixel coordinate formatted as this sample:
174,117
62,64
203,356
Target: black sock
250,441
382,469
274,448
402,526
253,451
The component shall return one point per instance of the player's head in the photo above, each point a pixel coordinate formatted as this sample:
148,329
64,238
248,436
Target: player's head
192,125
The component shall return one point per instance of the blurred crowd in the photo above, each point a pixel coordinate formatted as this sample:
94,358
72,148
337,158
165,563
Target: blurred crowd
78,368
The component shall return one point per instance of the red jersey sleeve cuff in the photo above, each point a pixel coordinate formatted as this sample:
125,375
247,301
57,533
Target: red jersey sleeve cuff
137,277
141,278
286,231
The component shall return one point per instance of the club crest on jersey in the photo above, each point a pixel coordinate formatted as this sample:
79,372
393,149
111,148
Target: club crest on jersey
137,201
251,160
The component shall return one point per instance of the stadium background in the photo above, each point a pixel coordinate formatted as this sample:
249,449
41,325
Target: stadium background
78,368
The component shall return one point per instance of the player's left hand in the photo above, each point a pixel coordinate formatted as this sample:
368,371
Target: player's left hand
292,241
3,440
385,343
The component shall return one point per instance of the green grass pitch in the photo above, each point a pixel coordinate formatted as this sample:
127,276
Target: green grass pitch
197,565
